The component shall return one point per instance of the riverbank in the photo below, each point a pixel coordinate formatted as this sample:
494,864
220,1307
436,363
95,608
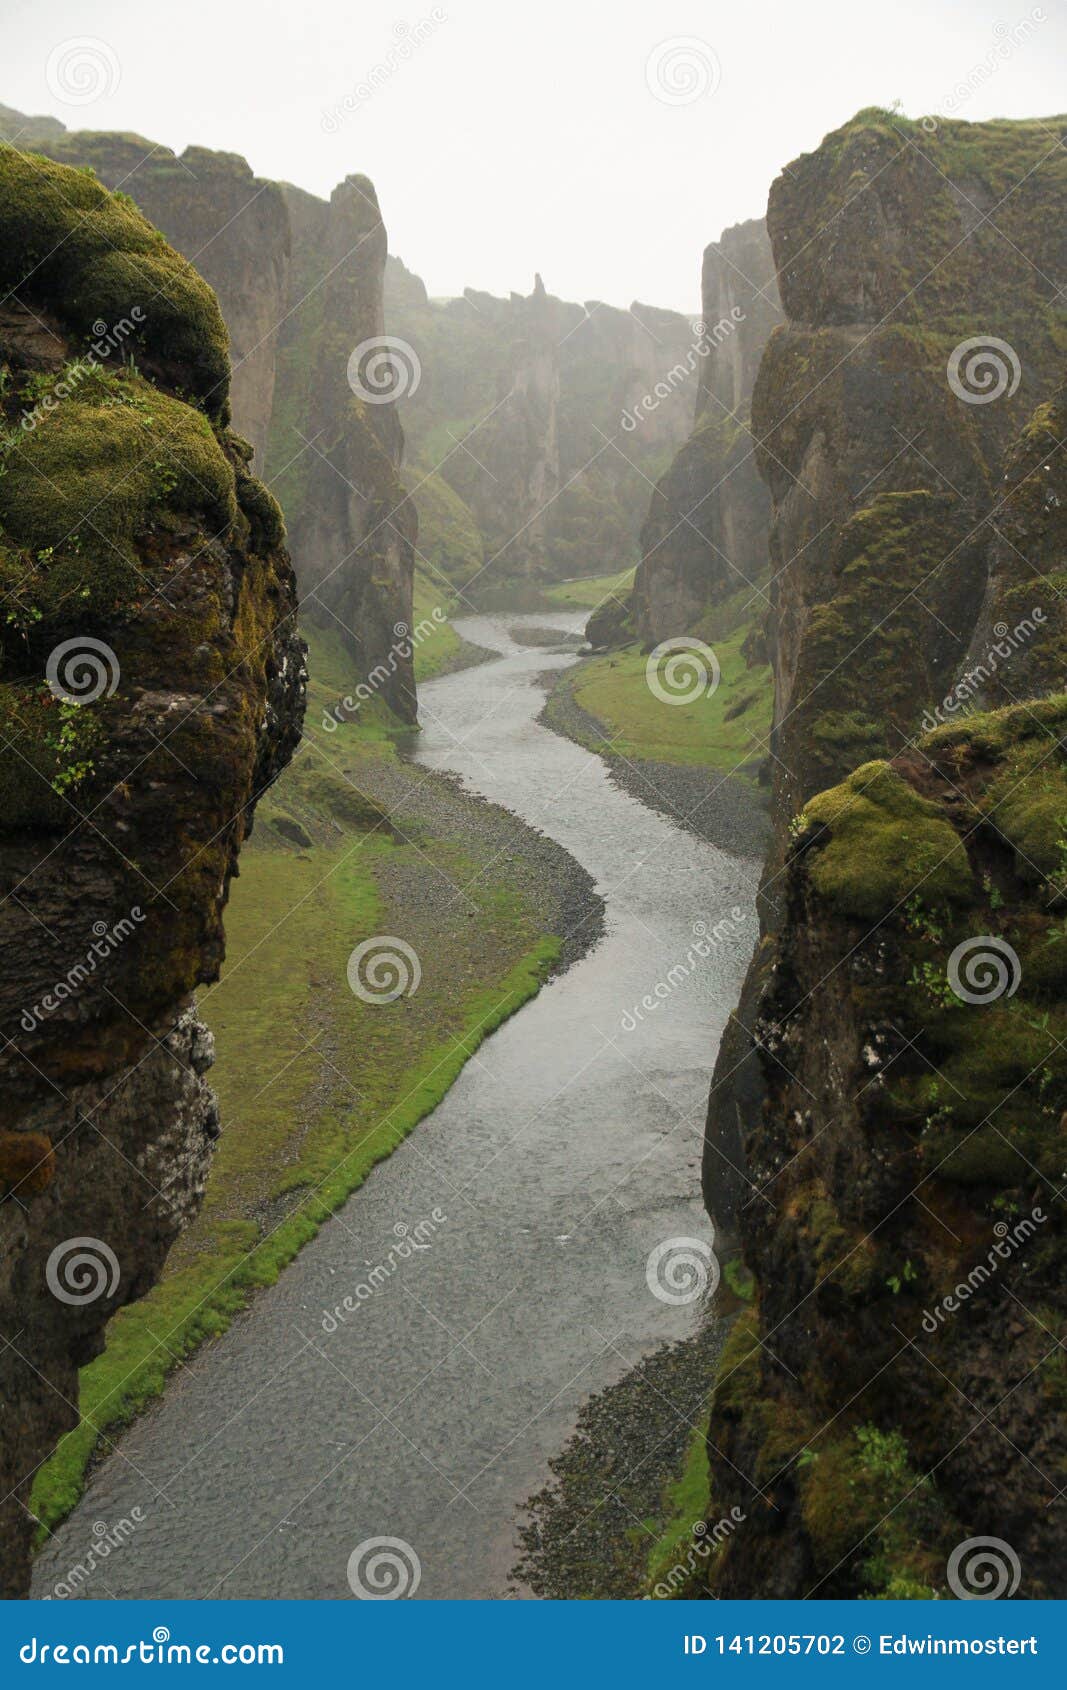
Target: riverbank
722,802
316,1084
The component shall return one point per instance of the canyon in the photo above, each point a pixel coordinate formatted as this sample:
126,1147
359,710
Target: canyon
842,488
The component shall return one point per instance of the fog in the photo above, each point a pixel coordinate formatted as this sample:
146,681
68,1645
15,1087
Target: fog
600,145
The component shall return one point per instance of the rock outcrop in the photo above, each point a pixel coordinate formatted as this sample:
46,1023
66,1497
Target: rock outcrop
151,687
886,1130
704,540
300,282
531,463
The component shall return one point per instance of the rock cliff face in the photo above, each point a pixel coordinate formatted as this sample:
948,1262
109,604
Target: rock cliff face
886,1130
522,430
300,282
151,687
704,539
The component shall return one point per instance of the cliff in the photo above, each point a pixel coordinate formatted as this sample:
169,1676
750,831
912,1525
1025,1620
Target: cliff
704,540
300,283
885,1134
530,465
151,687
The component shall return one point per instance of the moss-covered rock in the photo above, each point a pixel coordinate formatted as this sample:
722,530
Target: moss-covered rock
91,257
151,686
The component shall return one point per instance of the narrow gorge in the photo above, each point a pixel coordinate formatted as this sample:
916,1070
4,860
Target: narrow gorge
616,1148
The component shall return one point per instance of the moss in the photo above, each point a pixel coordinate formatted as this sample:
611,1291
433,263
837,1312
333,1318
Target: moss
839,1253
27,1163
90,257
737,1380
877,841
110,463
862,1501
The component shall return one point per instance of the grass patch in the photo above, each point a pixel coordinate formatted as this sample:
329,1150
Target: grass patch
315,1085
589,591
724,731
685,1502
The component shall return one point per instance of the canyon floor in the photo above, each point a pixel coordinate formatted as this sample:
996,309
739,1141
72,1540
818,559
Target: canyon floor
564,1152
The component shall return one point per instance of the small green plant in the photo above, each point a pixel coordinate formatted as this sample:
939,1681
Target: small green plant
906,1276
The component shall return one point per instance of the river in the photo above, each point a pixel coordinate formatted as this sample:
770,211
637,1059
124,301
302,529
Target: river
567,1151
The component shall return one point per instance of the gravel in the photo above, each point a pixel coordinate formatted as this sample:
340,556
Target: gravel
427,805
584,1535
727,810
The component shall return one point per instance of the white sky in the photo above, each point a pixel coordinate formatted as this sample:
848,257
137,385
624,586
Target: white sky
522,138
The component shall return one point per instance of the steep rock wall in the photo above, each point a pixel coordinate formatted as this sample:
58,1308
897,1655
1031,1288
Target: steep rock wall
521,430
300,283
706,533
875,1133
151,686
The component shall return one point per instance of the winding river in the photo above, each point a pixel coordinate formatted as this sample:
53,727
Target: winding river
566,1152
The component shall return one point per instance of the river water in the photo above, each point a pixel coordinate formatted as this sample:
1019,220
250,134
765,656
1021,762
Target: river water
567,1151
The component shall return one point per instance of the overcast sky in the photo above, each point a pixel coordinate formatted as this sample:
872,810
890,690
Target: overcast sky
602,142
